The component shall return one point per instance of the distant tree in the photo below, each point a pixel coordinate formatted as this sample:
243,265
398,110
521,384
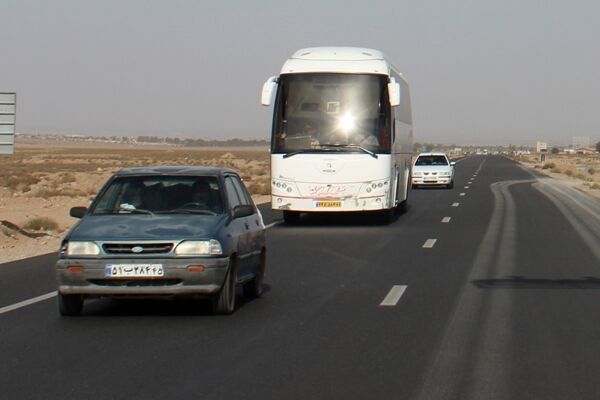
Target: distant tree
598,146
555,150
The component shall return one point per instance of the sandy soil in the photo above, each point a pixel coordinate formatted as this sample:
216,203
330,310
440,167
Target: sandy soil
579,171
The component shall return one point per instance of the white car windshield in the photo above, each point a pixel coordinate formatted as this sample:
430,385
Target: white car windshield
431,160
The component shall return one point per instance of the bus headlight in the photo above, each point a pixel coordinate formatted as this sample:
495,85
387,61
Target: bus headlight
282,187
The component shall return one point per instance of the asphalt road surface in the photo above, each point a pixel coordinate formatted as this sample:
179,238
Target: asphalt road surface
490,290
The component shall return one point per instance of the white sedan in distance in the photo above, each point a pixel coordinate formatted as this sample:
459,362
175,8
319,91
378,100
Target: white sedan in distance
433,169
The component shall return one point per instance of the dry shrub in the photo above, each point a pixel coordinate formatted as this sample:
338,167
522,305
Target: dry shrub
595,186
261,188
556,170
41,223
54,192
66,178
549,166
569,172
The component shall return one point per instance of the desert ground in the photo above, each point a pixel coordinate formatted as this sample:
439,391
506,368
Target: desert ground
43,180
579,170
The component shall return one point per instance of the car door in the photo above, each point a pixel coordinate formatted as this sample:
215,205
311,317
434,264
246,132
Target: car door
239,227
256,226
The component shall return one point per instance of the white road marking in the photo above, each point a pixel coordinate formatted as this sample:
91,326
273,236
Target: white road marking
466,187
445,220
429,243
393,296
272,224
455,204
462,194
28,302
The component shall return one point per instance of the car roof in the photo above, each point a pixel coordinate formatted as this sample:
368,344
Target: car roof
431,154
175,170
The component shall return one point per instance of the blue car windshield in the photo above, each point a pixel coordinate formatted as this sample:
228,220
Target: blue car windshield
159,194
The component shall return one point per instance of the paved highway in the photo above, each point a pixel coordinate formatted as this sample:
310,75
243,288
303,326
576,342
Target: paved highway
490,290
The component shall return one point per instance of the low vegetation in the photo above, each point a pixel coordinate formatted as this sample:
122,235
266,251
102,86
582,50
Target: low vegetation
41,224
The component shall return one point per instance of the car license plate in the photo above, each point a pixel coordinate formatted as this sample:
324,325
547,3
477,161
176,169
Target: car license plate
133,270
329,204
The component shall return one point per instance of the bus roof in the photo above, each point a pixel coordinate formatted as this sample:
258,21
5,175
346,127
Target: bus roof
338,59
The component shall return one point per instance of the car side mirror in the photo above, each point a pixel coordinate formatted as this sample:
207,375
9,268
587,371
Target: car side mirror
268,91
243,210
453,163
78,212
394,92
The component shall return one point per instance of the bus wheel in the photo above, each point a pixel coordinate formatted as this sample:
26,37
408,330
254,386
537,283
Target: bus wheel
386,216
291,217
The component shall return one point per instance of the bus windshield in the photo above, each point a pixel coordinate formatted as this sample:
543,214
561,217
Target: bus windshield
331,113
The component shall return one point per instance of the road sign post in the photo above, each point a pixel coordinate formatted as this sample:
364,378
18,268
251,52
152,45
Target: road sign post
8,116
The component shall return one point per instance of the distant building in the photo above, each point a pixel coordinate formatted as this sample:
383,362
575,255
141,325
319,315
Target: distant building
541,147
581,141
585,150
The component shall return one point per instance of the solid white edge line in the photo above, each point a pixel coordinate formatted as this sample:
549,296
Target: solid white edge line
393,296
272,224
28,302
445,220
429,243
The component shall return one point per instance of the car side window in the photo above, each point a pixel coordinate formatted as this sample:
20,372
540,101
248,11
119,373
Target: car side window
232,195
244,196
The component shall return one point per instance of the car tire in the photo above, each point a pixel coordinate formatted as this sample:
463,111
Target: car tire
253,288
450,185
70,304
291,217
224,302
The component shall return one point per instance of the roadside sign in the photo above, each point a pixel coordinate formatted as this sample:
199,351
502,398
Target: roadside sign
8,118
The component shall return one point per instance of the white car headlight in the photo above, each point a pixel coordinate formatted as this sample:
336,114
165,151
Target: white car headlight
199,248
417,173
82,249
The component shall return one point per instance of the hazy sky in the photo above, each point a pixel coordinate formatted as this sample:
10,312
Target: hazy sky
480,71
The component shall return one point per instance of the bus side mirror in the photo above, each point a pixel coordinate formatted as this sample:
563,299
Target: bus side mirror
268,91
394,92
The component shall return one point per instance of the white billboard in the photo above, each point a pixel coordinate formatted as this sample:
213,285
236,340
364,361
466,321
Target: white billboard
8,119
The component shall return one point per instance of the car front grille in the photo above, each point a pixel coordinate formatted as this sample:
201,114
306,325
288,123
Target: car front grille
137,248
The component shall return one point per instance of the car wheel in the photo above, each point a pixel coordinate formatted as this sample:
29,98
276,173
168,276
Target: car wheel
224,302
450,185
253,288
70,304
291,217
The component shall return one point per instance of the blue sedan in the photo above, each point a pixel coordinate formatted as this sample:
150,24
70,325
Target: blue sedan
164,231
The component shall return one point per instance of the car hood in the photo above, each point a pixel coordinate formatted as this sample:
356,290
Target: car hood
146,227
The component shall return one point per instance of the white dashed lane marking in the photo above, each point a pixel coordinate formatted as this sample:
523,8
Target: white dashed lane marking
393,296
27,302
462,194
445,220
429,243
455,204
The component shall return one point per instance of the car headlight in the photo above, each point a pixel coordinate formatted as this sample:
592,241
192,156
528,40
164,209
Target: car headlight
199,248
82,249
417,173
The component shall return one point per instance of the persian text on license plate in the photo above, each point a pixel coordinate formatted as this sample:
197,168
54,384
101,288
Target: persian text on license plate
127,270
329,203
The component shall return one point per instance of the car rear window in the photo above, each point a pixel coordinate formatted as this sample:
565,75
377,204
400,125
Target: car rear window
161,194
431,160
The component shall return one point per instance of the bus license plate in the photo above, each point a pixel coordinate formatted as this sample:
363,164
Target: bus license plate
329,203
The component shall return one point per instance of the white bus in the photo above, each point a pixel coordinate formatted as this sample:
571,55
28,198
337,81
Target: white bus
342,135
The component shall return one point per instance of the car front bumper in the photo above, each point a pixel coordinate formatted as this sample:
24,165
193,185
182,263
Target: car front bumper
445,180
177,280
